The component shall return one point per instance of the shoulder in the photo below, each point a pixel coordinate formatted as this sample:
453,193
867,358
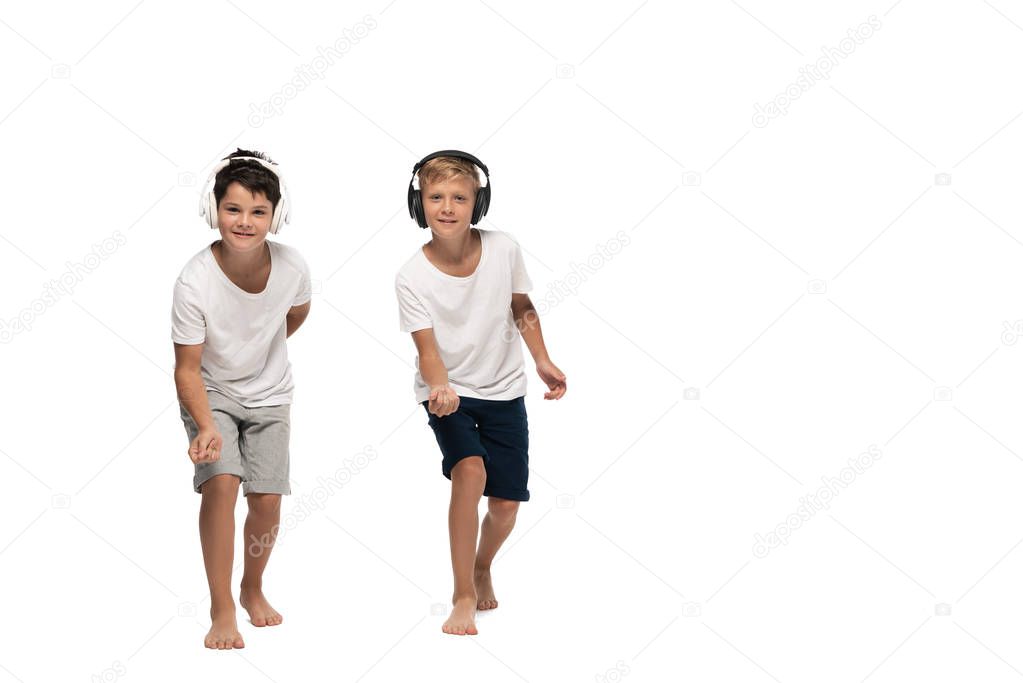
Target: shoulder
288,256
499,240
411,270
501,247
197,269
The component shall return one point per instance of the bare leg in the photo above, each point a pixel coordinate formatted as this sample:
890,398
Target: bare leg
468,478
497,525
216,532
261,527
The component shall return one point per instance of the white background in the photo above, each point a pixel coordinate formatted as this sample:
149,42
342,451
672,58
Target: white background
815,284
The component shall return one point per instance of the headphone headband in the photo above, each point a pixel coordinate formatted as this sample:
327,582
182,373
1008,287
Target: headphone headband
456,154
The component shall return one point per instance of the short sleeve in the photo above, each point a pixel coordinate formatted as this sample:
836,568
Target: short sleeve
188,324
412,314
520,278
305,286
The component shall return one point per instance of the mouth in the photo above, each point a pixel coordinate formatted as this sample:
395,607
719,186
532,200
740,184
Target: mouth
243,235
449,221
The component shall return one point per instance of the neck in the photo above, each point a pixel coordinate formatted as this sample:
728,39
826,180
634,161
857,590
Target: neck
233,261
454,249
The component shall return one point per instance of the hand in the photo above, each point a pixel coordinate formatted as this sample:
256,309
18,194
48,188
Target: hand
443,401
553,378
206,446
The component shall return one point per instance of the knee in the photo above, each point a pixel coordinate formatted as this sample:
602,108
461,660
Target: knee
264,503
502,510
469,472
222,486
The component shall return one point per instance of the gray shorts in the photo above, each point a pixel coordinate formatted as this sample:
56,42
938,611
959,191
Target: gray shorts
255,445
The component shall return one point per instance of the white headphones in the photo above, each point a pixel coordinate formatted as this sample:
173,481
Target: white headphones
208,202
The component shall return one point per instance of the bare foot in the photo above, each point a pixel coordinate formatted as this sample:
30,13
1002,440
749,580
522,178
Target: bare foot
224,633
484,590
461,622
260,611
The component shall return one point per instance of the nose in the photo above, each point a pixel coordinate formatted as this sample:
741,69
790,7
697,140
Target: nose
447,206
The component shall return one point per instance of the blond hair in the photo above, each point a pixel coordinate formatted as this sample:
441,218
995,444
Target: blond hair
444,168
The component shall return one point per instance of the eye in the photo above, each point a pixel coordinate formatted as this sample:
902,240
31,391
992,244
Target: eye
460,198
232,210
260,212
434,197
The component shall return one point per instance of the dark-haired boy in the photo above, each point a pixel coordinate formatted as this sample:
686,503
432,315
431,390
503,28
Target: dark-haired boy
235,303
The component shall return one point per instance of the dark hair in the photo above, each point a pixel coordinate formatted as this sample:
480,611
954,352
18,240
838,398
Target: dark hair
250,174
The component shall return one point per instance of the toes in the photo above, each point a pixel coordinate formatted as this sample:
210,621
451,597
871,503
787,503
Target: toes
454,629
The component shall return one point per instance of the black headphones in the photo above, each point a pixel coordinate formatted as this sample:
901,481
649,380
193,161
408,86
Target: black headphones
415,197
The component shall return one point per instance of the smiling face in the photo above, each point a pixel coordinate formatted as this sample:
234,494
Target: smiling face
448,205
244,218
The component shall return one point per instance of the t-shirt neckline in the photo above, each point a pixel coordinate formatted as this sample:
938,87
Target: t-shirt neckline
458,278
231,284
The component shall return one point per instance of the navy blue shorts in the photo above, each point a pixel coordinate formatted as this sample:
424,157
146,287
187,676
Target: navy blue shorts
497,431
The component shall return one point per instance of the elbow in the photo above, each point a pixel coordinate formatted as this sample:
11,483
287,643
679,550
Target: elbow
184,376
525,316
429,358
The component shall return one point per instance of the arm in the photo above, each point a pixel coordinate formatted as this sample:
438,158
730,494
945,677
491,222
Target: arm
296,316
528,322
205,447
443,399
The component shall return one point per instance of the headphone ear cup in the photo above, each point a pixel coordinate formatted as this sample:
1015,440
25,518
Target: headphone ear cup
415,207
420,211
275,222
282,212
211,211
479,210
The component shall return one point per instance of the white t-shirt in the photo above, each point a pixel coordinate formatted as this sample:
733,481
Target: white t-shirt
244,355
471,318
